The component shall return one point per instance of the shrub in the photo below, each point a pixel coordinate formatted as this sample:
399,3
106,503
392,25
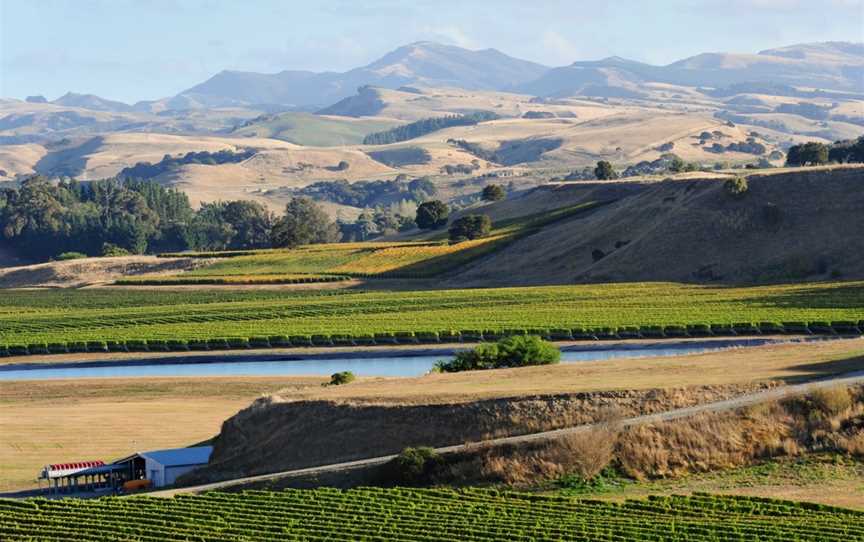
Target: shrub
135,345
238,343
175,345
493,192
586,454
217,344
279,341
70,256
413,465
58,348
513,351
470,227
109,249
116,346
604,171
831,401
432,215
259,342
736,187
157,345
342,377
97,346
38,348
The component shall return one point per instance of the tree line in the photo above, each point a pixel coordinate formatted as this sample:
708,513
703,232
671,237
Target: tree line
369,193
146,170
425,126
42,219
814,153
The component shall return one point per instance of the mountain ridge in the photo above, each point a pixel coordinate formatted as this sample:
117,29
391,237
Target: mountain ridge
836,66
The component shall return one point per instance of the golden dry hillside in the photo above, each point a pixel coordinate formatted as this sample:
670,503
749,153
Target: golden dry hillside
799,224
533,140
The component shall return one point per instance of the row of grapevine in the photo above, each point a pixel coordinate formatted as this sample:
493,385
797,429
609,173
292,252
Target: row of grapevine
559,312
375,514
427,337
230,279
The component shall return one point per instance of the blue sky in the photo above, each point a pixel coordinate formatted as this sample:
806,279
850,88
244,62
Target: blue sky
132,50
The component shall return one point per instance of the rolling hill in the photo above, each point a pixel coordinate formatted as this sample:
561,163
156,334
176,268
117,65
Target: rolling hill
792,225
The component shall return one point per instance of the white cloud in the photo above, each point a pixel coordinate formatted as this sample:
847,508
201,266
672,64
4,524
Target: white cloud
558,49
450,34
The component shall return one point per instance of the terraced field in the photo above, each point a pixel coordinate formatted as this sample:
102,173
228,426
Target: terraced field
423,514
98,320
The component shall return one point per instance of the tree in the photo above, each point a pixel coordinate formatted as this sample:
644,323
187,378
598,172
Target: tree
432,215
304,223
848,151
251,222
493,192
811,153
677,165
208,230
470,227
342,165
604,171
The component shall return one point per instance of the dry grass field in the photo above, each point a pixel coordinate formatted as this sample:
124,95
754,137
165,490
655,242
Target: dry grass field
786,362
60,421
89,271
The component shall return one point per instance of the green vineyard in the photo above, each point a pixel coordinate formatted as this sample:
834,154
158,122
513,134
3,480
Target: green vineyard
58,321
371,514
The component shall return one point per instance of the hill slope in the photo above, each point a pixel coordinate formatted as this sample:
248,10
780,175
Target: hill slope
792,225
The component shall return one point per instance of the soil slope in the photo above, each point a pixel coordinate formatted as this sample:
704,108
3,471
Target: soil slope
274,435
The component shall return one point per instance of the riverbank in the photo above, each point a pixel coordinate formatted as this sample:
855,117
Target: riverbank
120,359
55,421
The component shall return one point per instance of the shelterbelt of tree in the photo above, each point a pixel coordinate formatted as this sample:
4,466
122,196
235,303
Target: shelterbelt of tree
51,321
423,514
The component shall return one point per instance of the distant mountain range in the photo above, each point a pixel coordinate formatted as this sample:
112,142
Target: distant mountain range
837,66
829,66
426,63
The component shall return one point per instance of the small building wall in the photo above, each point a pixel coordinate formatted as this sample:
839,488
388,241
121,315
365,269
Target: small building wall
155,472
172,473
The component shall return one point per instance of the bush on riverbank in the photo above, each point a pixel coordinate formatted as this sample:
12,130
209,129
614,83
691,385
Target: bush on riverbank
515,351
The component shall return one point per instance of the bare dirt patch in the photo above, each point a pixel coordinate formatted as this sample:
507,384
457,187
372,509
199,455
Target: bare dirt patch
90,271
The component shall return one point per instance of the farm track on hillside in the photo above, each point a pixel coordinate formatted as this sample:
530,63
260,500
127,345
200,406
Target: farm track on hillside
742,401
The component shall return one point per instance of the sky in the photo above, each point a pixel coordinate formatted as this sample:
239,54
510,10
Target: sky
132,50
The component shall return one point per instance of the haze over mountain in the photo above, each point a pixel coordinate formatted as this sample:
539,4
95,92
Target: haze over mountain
837,66
829,65
427,63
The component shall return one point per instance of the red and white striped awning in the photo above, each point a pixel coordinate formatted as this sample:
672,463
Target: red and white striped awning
59,470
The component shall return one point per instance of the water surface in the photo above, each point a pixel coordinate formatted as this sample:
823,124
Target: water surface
368,363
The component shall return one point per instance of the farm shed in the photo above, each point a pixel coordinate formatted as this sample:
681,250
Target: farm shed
78,476
158,467
162,467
